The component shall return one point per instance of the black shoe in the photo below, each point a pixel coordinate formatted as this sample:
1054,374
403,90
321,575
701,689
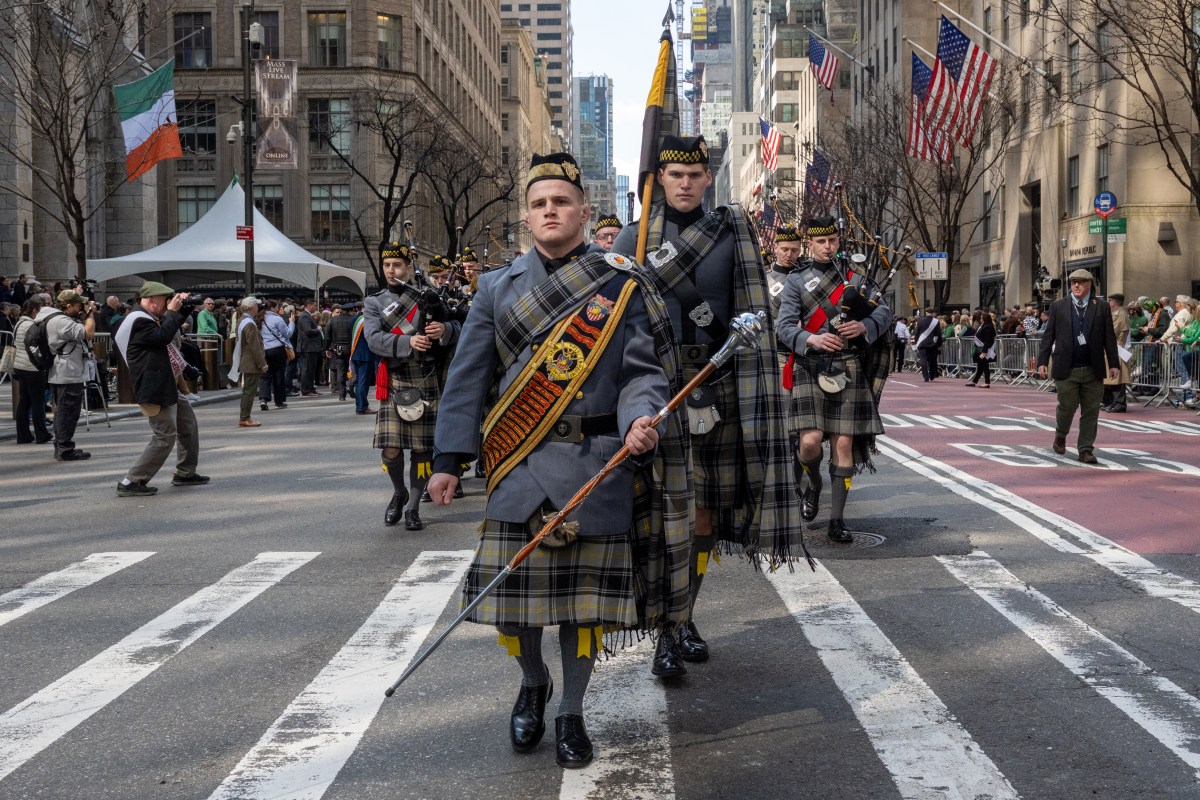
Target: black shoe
412,520
810,503
395,508
189,480
262,406
137,489
667,661
425,498
1115,409
573,747
73,455
838,532
479,471
43,440
1088,457
528,722
281,405
458,492
691,647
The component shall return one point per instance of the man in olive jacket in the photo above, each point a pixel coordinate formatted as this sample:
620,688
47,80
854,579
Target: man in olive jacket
146,340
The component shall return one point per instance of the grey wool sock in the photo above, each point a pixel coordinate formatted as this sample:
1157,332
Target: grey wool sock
840,477
395,472
533,667
813,470
702,546
419,470
577,669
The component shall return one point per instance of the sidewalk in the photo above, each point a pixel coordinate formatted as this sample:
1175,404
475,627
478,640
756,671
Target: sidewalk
8,427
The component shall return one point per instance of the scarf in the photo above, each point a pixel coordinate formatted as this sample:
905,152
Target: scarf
235,369
766,528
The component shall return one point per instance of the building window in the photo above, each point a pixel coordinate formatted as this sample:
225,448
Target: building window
1102,168
269,202
987,216
326,39
389,38
504,122
1025,12
328,125
1073,186
1104,43
1076,83
330,219
193,48
1026,98
504,88
193,203
549,7
1047,94
504,54
270,25
787,112
197,127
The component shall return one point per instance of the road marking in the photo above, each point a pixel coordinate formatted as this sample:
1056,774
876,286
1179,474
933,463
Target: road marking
57,585
928,754
1161,708
1124,563
626,716
302,752
34,724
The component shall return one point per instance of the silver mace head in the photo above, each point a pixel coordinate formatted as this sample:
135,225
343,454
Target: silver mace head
745,333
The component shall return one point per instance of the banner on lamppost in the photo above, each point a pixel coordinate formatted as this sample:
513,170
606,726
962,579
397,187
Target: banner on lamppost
275,85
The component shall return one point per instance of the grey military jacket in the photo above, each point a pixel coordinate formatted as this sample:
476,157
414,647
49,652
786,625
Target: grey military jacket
628,379
396,349
794,312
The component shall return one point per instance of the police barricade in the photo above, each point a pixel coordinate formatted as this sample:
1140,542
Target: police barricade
211,347
1184,367
6,339
1011,363
911,362
954,358
1032,345
1150,370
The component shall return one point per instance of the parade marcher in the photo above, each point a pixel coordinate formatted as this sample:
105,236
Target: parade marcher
363,364
1081,337
67,332
788,247
249,359
408,382
606,230
1114,394
738,418
836,373
148,341
471,270
573,344
928,333
339,336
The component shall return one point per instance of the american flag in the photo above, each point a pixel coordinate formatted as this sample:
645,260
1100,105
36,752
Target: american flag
824,63
818,180
767,226
925,143
770,148
972,70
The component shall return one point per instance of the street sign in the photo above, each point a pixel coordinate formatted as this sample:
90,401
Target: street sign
245,233
932,266
1115,225
1106,203
1116,238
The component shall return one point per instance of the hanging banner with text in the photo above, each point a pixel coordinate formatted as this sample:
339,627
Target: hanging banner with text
275,85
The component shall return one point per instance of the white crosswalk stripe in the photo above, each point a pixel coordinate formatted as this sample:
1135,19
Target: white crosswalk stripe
927,753
1164,710
32,725
303,751
57,585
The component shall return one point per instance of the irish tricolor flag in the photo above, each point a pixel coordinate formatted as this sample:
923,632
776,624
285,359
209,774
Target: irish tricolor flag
148,121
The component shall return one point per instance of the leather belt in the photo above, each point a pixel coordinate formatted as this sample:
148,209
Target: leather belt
693,354
575,429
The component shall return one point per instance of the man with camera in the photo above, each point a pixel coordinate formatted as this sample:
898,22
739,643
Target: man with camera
147,340
67,333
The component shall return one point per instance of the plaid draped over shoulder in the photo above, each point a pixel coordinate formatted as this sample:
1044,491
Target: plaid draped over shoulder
767,528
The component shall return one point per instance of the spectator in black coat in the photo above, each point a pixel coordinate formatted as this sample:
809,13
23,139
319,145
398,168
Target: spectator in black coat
310,345
927,342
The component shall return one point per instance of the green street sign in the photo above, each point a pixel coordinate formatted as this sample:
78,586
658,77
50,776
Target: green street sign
1115,225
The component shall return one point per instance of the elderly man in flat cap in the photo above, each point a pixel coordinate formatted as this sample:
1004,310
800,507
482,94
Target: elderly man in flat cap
147,341
1080,336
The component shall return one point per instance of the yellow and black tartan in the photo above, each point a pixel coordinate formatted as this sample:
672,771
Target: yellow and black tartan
393,432
717,455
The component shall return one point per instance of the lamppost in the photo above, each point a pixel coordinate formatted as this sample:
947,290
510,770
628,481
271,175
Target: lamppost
252,40
629,207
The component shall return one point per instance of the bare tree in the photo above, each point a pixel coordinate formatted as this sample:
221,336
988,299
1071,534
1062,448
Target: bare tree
1150,48
471,186
58,62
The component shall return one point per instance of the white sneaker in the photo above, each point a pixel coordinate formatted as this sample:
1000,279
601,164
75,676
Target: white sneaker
191,397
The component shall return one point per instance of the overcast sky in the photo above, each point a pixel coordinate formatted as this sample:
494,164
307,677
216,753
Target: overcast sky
619,38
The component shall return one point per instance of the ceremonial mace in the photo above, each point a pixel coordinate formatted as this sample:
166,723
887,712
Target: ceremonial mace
744,333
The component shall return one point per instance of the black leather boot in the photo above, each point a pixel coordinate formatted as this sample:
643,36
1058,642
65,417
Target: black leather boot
528,722
838,532
395,508
691,646
412,520
667,661
573,747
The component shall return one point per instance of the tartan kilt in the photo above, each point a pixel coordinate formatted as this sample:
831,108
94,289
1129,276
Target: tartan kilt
391,431
850,412
716,456
587,583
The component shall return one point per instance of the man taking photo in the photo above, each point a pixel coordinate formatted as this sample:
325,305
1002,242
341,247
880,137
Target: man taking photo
67,333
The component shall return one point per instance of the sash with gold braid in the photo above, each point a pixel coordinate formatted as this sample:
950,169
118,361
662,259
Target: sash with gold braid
533,403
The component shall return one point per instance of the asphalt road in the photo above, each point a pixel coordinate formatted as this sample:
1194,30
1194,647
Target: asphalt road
234,640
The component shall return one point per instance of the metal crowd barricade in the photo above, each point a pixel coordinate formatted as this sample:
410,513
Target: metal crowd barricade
1011,361
1151,368
211,347
911,362
6,338
954,357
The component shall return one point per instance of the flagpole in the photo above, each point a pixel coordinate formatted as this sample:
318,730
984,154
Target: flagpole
828,43
1028,64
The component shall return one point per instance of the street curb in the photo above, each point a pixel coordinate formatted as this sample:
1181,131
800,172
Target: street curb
209,398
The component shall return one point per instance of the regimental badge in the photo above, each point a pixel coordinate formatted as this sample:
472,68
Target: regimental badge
776,289
599,307
619,262
663,255
813,283
564,361
570,170
704,150
702,315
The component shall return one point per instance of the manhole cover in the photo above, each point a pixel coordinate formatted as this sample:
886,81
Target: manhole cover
817,538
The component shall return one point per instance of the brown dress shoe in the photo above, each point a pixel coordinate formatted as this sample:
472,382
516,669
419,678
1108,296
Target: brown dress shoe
1087,457
1060,444
248,423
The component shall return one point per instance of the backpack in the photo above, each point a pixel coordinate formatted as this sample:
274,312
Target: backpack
37,343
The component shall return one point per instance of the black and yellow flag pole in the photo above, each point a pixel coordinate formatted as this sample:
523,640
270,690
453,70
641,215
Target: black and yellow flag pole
661,117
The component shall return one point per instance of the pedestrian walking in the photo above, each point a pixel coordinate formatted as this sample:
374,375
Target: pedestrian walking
929,341
249,358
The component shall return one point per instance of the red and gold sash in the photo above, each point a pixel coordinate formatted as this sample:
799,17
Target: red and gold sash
537,398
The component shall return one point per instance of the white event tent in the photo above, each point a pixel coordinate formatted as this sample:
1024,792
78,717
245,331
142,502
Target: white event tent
211,245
